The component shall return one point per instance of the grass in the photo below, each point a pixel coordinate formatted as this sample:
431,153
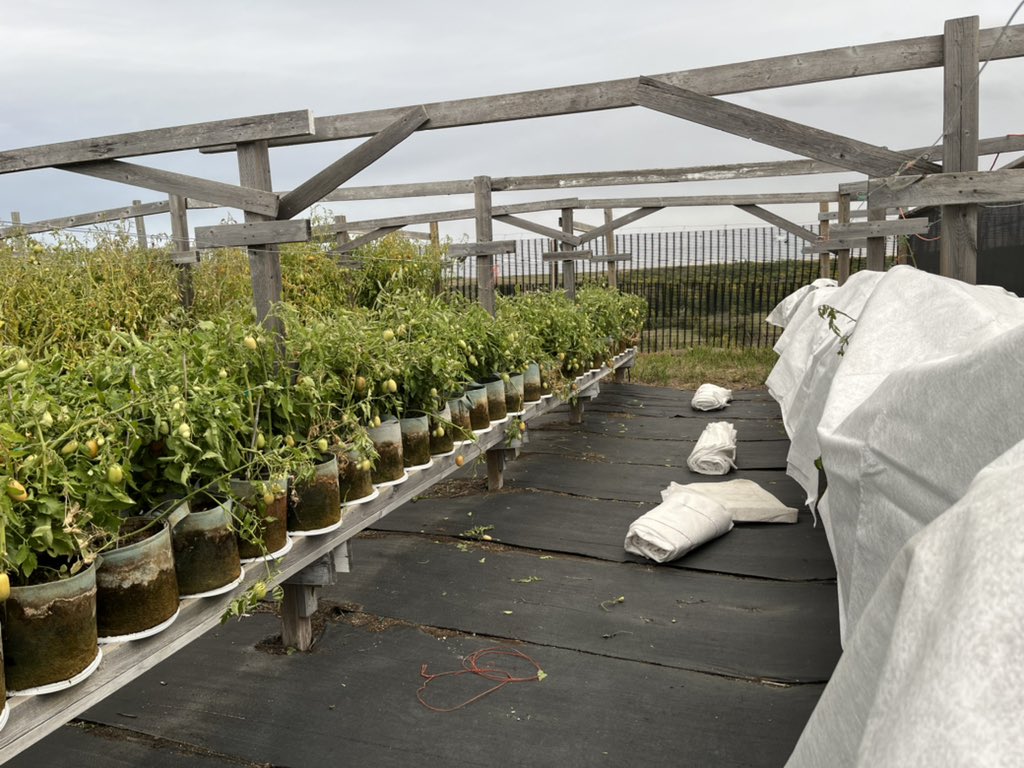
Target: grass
731,367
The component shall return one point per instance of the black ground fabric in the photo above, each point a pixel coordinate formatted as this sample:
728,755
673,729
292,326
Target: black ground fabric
715,659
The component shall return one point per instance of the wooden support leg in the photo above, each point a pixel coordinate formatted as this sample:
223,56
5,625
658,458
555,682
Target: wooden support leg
620,375
576,411
495,469
297,608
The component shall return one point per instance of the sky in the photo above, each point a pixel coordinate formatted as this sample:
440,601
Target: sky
81,68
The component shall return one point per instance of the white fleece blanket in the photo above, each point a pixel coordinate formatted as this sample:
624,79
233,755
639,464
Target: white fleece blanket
710,397
715,451
684,520
785,309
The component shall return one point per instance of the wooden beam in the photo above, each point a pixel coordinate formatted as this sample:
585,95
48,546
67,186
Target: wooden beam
248,200
946,189
858,214
781,198
540,229
483,213
843,254
283,125
835,245
611,258
813,67
611,267
253,233
340,171
493,248
465,213
369,237
86,219
958,246
879,227
140,227
614,224
775,168
775,131
824,258
876,240
566,255
781,223
568,266
264,259
182,255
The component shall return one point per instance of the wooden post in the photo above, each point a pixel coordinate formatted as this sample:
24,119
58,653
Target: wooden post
843,256
568,266
140,228
576,411
958,247
264,259
15,218
435,234
903,249
824,258
297,608
342,236
495,469
876,245
553,266
484,234
609,248
181,244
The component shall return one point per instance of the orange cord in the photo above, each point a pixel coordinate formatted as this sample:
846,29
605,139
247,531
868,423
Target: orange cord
471,665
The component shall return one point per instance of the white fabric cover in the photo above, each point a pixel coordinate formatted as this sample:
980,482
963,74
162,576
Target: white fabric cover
783,311
715,451
933,673
744,500
684,520
710,397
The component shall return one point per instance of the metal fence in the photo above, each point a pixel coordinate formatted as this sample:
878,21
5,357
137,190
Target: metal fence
704,287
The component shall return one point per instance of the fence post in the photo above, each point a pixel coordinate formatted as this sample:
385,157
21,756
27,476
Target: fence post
843,256
484,234
435,234
568,266
180,242
553,266
609,249
140,228
264,259
903,249
824,258
876,245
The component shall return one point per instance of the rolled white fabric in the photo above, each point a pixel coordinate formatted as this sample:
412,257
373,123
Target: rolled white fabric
715,451
682,522
710,397
744,500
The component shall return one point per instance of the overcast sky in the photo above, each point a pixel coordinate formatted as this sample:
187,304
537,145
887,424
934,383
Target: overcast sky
80,68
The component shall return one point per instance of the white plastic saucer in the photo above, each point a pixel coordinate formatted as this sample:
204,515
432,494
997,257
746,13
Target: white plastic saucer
317,531
548,396
446,453
460,443
418,467
272,555
500,421
356,502
139,635
517,413
63,684
3,717
222,590
389,483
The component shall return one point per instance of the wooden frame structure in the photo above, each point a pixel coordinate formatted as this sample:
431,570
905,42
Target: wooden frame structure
897,179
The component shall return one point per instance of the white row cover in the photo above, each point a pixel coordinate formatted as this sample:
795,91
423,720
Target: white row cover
924,398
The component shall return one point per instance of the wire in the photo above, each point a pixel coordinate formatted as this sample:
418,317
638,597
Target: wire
471,665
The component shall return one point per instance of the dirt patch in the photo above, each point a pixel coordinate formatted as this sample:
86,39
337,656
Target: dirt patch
453,489
353,615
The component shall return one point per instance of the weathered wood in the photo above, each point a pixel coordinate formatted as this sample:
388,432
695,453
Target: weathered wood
540,229
140,227
264,260
495,469
463,213
557,256
86,219
576,411
622,221
483,212
568,267
581,226
824,258
253,233
195,136
342,557
774,168
775,131
780,198
340,171
816,66
876,240
247,199
460,250
878,226
843,254
611,258
958,247
609,249
835,245
350,245
298,605
824,216
780,222
435,234
945,189
183,255
319,573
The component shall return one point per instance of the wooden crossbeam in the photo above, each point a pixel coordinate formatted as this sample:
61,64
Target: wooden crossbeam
774,168
775,131
859,214
614,224
465,213
182,258
491,248
781,223
776,72
916,226
253,233
244,198
836,244
362,240
1005,186
540,229
195,136
566,255
781,198
340,171
612,257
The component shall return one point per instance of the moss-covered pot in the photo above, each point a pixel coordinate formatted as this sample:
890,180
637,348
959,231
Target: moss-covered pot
315,503
49,631
262,507
387,439
415,440
136,584
206,550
